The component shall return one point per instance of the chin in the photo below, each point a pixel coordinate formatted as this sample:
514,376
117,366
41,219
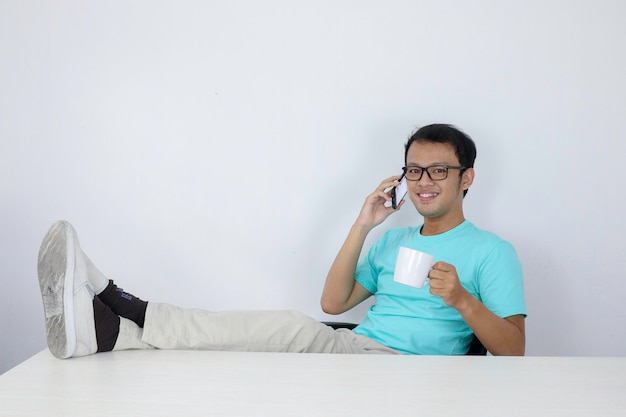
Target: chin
426,214
424,210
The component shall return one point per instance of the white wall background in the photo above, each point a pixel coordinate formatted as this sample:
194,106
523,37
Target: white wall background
214,154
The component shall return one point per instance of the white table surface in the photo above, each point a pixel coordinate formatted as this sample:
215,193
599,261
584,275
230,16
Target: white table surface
196,383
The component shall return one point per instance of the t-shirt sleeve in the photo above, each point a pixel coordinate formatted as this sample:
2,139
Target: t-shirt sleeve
500,281
366,271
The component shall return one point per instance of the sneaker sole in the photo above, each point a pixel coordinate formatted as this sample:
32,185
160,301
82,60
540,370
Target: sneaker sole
55,268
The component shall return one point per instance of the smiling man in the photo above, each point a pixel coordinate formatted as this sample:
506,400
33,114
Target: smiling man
475,286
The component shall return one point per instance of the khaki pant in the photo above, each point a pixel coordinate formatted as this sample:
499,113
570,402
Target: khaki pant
170,327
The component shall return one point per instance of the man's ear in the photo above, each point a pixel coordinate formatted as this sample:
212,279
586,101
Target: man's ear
468,178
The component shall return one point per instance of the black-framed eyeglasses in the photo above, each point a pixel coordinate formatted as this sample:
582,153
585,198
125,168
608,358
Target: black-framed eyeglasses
435,172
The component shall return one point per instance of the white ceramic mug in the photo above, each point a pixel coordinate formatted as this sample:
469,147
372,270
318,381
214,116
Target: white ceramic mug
412,267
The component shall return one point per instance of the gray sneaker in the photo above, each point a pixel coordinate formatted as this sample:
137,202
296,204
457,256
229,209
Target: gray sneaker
67,295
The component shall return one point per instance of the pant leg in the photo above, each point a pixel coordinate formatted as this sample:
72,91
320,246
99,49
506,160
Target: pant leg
129,336
170,327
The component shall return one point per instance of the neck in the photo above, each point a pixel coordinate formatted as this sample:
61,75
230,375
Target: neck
438,226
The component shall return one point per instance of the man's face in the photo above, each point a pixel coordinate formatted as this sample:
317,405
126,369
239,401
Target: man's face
437,199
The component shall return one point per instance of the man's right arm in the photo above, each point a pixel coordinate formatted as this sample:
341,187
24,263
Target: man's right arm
341,290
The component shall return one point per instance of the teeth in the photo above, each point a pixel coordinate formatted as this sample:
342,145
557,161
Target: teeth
428,195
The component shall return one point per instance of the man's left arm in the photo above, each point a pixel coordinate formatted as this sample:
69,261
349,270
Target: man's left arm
501,336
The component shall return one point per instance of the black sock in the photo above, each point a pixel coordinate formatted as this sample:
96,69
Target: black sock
107,325
124,304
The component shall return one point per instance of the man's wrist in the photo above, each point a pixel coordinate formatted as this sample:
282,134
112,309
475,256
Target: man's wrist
467,304
361,228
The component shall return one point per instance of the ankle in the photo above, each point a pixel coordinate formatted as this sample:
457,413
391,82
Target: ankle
97,280
124,304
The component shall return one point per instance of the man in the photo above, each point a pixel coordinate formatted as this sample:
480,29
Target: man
475,286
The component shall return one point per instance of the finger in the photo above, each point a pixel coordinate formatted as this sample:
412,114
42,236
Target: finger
381,195
438,275
389,183
395,178
435,274
435,289
443,266
399,206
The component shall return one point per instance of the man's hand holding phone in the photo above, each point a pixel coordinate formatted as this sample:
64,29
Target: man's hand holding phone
398,193
379,205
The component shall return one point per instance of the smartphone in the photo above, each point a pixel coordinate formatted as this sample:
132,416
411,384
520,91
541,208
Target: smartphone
398,192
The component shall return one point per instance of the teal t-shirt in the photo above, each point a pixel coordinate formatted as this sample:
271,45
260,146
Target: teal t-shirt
412,320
